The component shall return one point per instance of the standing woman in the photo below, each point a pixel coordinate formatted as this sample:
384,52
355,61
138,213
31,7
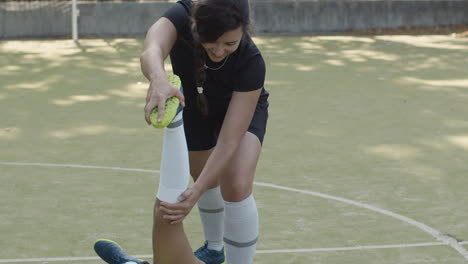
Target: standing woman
225,116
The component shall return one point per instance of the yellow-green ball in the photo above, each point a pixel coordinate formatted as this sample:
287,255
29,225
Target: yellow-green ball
172,104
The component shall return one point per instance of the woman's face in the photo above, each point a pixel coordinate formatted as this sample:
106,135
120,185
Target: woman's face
224,45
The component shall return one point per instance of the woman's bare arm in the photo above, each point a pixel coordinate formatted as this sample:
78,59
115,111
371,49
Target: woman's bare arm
158,43
236,123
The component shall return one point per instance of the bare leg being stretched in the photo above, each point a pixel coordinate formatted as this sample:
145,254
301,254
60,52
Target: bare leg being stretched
170,244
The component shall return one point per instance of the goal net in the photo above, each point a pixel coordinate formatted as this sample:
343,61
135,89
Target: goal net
27,16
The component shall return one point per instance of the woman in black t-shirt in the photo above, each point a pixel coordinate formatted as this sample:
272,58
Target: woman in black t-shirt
225,115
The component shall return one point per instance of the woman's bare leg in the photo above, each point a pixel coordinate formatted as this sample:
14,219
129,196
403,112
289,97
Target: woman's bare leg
197,160
241,221
237,180
170,244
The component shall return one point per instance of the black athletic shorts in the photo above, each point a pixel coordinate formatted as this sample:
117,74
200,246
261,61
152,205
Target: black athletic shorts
202,132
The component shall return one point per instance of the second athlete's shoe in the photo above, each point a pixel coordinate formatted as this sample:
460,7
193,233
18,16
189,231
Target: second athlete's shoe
210,256
112,253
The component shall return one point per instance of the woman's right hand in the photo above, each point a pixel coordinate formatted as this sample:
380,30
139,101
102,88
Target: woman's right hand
159,91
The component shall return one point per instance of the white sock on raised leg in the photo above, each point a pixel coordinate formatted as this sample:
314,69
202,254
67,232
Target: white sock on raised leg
174,170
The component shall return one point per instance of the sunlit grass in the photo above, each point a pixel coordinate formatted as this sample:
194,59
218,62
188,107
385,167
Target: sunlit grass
380,120
80,98
91,130
459,83
396,152
10,133
438,42
459,141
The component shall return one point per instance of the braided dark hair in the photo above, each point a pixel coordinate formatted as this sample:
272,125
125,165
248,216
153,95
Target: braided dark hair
210,20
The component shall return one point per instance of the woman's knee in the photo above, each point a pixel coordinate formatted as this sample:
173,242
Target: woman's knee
236,191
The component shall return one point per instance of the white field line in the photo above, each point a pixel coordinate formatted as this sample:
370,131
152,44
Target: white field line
76,166
435,233
45,260
304,250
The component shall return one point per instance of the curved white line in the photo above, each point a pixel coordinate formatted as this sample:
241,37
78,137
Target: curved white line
304,250
435,233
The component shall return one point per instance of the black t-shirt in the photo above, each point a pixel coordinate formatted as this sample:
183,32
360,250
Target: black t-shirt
243,71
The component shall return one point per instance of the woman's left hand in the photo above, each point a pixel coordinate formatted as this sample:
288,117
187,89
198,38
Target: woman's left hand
176,213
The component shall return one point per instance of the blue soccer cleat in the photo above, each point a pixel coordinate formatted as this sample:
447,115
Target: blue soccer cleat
210,256
112,253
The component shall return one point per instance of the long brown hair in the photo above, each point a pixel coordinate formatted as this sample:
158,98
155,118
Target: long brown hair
210,20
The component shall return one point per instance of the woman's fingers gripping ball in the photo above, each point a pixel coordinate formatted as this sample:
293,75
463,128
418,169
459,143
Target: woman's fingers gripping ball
158,92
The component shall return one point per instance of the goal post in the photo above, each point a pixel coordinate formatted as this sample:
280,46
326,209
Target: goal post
74,16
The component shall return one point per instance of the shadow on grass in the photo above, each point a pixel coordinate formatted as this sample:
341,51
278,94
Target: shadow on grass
382,120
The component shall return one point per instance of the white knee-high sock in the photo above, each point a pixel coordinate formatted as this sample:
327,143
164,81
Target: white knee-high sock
241,231
211,207
174,170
